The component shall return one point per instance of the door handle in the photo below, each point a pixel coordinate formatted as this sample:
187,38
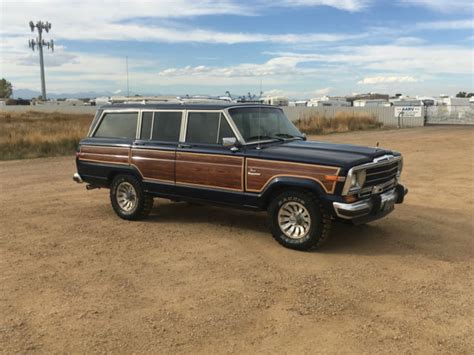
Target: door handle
184,145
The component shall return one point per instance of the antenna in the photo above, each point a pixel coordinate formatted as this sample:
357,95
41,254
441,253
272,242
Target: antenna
259,114
128,89
39,43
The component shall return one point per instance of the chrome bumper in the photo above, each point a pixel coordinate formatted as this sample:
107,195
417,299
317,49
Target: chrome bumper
377,206
77,178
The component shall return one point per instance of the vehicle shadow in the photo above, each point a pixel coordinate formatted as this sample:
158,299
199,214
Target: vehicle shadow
345,238
410,231
190,213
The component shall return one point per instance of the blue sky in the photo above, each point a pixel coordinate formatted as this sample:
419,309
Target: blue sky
298,48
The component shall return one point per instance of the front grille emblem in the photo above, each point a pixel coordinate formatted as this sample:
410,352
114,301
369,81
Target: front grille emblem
377,189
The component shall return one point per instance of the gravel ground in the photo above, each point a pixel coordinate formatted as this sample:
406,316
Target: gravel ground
76,279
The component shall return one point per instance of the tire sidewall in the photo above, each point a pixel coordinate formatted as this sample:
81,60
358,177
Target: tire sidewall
134,214
315,214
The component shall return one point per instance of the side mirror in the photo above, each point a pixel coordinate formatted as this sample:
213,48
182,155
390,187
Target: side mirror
229,141
304,136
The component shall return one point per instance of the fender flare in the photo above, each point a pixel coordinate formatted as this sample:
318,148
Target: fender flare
283,182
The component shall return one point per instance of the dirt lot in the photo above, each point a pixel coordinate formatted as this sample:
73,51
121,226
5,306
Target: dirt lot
75,278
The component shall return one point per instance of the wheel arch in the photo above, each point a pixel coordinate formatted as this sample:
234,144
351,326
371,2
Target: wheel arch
280,184
128,170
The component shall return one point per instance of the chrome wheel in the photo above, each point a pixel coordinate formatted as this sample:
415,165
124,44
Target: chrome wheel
294,220
126,196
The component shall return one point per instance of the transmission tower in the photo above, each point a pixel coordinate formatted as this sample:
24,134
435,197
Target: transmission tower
39,43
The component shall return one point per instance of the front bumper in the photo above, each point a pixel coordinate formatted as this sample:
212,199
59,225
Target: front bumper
372,208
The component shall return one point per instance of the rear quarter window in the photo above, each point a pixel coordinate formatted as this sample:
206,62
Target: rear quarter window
118,125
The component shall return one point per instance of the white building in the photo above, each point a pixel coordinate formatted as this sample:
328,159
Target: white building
371,103
455,101
328,101
299,103
275,100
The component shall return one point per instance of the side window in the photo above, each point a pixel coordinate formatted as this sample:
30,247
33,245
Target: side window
118,125
166,126
147,117
224,130
207,128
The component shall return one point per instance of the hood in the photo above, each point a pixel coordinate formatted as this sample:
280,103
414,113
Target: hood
323,153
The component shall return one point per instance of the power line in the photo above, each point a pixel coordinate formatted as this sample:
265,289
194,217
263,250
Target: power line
39,43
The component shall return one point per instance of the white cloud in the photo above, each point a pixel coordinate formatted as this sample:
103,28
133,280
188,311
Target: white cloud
387,80
97,20
419,59
298,94
347,5
409,41
443,5
446,25
278,66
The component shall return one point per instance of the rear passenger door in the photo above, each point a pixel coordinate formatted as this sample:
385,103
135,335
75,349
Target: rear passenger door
205,168
154,152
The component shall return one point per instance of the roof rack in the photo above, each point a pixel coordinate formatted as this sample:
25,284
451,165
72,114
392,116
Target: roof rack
168,99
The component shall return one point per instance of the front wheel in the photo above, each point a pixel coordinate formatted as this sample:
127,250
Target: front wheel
297,220
128,198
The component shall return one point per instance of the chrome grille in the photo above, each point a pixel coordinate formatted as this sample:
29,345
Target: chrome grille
381,174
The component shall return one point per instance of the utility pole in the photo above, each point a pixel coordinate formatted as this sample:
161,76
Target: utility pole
128,90
40,43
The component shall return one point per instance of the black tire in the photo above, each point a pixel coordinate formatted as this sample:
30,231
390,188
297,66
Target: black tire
142,202
310,220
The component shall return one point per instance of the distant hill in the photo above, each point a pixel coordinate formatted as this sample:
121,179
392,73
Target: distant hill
29,94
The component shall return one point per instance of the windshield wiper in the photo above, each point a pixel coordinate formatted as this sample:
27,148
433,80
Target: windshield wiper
289,136
265,137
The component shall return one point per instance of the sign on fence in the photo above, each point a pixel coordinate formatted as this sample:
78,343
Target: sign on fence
408,111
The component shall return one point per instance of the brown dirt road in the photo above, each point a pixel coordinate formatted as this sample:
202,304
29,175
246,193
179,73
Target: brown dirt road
76,279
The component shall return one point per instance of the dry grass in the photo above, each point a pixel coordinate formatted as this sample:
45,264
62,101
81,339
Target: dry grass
342,122
39,134
34,134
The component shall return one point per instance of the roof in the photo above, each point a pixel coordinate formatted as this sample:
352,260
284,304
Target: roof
182,106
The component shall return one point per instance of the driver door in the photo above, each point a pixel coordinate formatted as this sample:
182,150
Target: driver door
205,167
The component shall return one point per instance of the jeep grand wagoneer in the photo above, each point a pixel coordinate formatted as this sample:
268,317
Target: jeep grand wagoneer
240,155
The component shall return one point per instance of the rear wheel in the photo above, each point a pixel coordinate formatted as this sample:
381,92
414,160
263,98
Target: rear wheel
297,220
128,198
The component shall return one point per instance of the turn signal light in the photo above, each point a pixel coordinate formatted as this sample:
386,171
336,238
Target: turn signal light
350,198
334,178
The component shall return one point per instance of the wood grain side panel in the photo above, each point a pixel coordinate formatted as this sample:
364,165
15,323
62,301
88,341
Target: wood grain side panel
210,170
261,172
154,164
115,155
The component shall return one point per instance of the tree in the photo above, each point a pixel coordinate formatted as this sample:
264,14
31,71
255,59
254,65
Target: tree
464,94
5,89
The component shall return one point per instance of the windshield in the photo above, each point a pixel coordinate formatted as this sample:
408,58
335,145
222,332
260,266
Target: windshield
263,123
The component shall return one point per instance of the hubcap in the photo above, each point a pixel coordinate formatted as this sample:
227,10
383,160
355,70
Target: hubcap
126,196
294,220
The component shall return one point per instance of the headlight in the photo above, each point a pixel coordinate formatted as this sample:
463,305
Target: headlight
358,179
354,182
400,167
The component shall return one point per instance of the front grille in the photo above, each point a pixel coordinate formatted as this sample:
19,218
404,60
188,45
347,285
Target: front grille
383,175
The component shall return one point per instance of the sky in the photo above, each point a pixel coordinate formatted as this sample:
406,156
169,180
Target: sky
297,48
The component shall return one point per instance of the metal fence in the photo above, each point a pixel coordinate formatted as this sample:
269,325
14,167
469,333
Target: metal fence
450,115
386,115
50,108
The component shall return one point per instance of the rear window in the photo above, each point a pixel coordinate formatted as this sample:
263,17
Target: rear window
118,125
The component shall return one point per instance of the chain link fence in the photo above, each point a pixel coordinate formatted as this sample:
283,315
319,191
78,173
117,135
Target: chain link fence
450,114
